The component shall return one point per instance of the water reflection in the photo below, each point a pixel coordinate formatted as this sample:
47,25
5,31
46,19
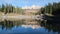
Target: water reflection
31,26
50,25
9,24
28,27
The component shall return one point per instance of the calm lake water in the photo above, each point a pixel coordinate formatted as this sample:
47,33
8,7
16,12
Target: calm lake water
27,27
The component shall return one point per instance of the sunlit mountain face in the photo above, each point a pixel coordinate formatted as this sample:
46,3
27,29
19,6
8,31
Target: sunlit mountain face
32,7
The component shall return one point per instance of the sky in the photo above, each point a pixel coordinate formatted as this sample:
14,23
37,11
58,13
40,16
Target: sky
22,3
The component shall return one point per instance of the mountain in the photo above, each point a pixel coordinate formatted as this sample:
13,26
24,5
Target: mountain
31,7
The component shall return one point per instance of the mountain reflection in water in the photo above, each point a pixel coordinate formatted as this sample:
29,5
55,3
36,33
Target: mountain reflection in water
26,27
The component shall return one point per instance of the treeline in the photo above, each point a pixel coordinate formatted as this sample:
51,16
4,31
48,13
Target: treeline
53,9
8,8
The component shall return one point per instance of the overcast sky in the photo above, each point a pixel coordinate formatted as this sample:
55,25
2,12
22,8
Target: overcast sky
21,3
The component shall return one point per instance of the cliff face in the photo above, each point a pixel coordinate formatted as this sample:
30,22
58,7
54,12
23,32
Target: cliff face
30,11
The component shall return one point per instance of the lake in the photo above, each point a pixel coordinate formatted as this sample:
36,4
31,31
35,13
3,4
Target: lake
27,26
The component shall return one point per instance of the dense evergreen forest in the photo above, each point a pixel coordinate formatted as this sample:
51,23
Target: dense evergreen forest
53,9
8,8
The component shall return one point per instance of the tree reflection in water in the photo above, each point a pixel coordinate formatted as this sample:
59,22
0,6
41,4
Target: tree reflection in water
50,25
8,24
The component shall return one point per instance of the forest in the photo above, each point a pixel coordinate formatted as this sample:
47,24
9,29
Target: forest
9,8
53,9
